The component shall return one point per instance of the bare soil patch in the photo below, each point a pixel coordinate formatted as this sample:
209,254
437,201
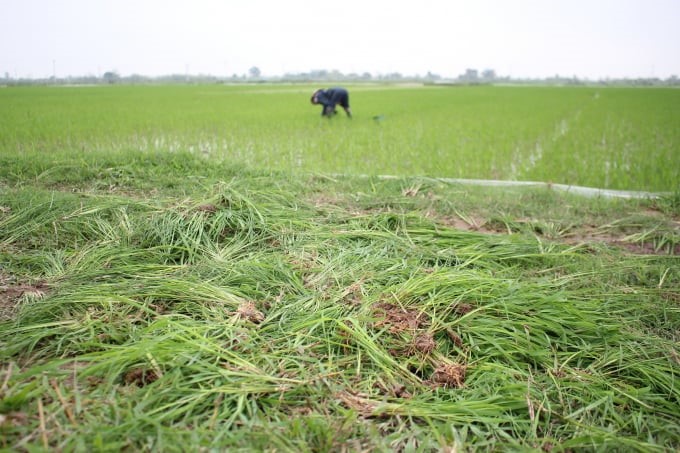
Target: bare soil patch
11,294
472,223
359,402
140,377
450,375
398,319
249,312
423,343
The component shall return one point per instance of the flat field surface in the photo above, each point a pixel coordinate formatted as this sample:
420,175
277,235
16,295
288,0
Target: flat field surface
619,138
183,269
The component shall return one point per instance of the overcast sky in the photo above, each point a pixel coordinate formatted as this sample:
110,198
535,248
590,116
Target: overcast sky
520,38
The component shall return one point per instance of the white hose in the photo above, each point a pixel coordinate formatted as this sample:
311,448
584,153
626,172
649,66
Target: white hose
578,190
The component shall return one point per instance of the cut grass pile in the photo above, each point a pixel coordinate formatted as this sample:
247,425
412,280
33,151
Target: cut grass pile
146,309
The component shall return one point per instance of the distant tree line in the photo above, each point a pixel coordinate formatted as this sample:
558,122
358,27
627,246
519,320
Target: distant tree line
468,77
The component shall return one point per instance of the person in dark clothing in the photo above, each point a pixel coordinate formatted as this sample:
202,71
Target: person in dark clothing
331,97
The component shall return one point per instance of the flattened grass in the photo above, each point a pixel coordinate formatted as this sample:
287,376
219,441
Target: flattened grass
266,311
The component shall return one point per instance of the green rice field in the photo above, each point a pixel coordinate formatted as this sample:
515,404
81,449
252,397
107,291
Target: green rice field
617,138
218,268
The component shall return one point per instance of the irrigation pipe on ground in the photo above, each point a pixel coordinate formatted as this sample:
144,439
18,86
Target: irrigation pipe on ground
579,190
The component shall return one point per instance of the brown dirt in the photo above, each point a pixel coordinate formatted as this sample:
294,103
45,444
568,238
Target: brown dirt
357,401
473,223
449,375
422,343
249,312
400,391
463,308
398,319
140,377
455,338
396,390
10,296
209,208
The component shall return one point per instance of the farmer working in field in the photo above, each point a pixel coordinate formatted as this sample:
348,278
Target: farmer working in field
330,98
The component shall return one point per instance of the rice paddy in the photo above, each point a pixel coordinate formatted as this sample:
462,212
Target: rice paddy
159,294
613,138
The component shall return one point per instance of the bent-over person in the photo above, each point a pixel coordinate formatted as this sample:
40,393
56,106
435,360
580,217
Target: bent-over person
331,97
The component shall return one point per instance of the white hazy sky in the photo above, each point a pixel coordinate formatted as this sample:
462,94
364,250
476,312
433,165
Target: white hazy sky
520,38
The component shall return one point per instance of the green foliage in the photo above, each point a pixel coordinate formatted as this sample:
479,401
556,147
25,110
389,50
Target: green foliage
159,294
257,314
